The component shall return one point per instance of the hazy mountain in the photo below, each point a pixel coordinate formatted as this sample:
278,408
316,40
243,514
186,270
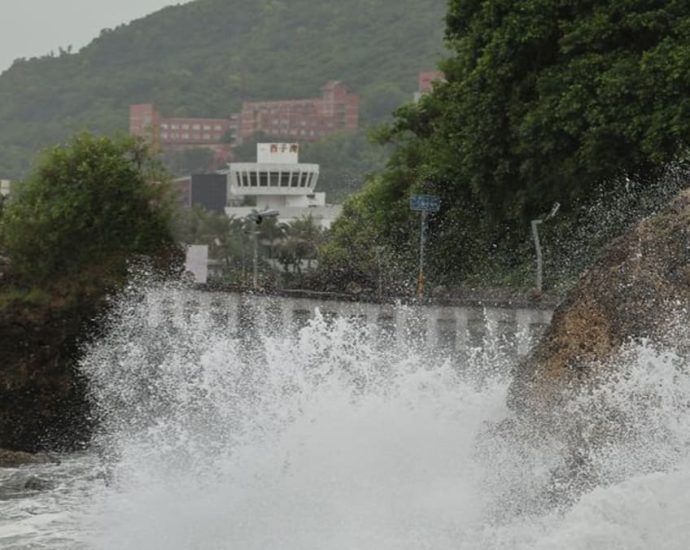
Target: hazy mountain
206,57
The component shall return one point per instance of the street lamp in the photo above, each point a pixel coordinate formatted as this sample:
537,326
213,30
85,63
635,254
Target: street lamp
257,218
537,244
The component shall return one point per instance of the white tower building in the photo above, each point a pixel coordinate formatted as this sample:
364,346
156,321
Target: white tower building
278,181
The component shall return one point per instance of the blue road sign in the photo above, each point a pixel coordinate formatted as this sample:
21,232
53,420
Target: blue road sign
425,203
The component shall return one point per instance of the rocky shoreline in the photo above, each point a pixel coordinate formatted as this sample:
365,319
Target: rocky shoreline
16,459
43,398
637,289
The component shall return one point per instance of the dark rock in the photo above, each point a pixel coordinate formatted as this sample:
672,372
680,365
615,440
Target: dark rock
35,483
5,267
43,399
632,292
14,459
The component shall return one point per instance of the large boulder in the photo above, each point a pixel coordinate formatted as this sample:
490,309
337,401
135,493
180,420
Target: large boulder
638,286
43,401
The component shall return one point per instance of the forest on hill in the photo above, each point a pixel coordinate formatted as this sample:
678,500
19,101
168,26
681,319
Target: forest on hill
579,108
206,57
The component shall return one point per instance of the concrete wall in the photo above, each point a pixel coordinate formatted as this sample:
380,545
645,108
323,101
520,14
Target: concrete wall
450,328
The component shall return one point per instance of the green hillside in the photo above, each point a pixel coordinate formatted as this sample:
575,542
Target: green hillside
206,57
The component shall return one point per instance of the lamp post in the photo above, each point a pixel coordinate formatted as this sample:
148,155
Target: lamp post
537,243
257,218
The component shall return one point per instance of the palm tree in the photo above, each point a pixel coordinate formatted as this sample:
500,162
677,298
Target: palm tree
306,237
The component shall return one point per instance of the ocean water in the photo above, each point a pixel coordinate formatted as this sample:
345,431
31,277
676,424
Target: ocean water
337,438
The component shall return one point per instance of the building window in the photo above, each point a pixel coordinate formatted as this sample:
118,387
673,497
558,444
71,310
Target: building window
175,126
263,179
218,128
185,136
207,136
196,127
303,179
164,135
285,179
253,179
185,126
164,126
207,126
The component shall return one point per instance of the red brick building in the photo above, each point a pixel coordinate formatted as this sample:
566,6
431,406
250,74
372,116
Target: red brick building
302,119
178,133
425,82
144,121
299,120
181,133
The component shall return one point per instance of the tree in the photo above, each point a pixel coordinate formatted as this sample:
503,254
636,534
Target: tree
93,204
349,253
345,160
544,101
304,238
196,160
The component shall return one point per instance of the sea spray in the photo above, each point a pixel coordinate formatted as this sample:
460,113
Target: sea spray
333,438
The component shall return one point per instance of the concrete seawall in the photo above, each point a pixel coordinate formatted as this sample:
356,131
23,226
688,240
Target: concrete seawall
448,327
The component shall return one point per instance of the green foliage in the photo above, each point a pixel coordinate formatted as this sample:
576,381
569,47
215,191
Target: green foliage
345,161
299,243
545,101
11,296
292,247
233,50
360,247
91,205
188,161
246,152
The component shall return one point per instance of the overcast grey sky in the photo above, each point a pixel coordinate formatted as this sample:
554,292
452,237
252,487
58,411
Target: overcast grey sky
29,28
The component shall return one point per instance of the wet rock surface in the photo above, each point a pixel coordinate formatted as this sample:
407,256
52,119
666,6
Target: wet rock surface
15,459
636,290
43,404
20,484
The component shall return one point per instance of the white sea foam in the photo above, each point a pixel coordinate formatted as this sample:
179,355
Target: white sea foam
334,439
